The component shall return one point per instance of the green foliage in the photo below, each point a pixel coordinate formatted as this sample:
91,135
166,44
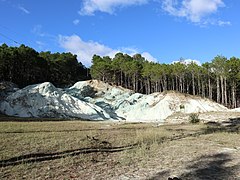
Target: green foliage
23,66
101,68
142,76
218,80
182,106
88,91
194,118
219,65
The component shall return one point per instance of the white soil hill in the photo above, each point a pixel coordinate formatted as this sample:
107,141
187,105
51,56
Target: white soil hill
235,110
6,88
45,100
96,100
158,106
122,103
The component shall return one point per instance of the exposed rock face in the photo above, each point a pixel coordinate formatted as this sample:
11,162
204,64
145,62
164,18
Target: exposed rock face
6,88
95,100
158,106
45,100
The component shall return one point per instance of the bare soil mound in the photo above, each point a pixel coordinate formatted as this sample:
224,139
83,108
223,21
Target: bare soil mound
95,100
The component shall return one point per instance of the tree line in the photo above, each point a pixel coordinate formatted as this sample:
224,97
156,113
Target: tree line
24,66
218,80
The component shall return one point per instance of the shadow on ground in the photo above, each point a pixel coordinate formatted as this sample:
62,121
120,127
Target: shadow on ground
40,157
161,175
203,168
231,125
211,167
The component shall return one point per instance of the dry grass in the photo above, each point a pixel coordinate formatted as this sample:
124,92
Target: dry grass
100,150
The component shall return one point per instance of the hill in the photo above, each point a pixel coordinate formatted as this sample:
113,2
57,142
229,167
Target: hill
95,100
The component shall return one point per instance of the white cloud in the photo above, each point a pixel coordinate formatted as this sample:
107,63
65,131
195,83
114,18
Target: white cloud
133,51
23,9
108,6
149,57
37,29
76,22
194,10
40,44
86,49
187,61
224,23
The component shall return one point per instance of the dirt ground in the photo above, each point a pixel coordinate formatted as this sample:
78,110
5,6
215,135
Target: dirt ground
100,150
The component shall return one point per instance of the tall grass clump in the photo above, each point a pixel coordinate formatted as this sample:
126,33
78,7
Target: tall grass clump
194,118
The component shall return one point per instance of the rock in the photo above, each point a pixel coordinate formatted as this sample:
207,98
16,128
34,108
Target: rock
6,88
45,100
95,100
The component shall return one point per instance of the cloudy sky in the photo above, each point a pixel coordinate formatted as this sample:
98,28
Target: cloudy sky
161,30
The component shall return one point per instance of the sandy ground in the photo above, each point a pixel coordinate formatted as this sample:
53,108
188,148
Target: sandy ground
67,150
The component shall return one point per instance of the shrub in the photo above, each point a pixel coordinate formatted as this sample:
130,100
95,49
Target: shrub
182,106
194,118
88,91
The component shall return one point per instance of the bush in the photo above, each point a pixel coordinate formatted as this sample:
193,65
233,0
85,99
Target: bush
194,118
88,91
182,106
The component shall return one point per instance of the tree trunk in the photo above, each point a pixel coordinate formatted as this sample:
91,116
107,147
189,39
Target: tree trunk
173,85
209,89
222,89
187,87
164,83
176,85
137,83
234,102
121,78
146,86
149,87
203,89
193,84
225,91
134,82
218,90
180,84
199,86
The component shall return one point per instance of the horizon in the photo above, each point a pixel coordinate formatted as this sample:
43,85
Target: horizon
161,31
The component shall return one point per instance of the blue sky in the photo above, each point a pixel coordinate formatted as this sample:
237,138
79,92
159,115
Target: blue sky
161,30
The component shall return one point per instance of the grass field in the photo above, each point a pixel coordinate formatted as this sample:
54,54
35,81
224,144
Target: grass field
103,150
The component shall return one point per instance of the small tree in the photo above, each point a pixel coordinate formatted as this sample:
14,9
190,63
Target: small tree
194,118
